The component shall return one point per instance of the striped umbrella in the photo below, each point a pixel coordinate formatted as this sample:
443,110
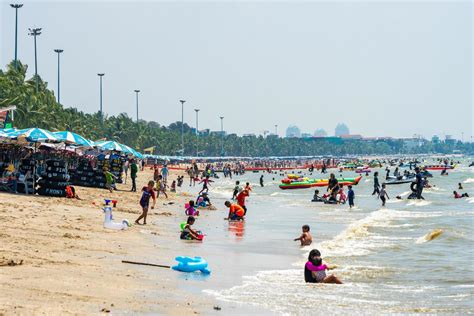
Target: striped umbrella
34,135
134,152
73,138
111,145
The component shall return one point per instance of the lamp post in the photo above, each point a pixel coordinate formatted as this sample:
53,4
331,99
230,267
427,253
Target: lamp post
276,130
59,51
182,126
197,132
16,7
137,91
222,135
100,107
35,32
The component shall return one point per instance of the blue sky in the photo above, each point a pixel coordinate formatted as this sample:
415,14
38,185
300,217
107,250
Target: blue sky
383,68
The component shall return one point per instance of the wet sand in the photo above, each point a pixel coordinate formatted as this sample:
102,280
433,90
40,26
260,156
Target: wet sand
56,257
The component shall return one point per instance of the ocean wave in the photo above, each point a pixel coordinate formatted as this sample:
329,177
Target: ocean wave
419,203
469,180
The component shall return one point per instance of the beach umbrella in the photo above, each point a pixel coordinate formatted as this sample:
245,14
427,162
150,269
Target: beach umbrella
133,152
73,138
111,145
34,135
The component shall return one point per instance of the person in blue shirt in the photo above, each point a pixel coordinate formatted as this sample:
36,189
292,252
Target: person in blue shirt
350,196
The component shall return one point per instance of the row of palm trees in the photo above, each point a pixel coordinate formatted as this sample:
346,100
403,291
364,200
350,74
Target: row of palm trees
40,109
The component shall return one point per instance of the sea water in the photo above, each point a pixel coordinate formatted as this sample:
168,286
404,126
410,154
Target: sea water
382,254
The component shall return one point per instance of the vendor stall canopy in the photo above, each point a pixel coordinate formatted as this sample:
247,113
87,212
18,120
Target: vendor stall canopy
38,135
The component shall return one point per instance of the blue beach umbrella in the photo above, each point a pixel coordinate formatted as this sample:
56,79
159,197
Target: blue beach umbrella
73,138
111,145
34,135
133,152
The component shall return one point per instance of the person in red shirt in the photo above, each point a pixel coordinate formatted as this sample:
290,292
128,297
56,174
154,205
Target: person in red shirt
241,200
236,212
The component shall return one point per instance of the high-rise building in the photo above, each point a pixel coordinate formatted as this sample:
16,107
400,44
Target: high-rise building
293,131
320,133
341,129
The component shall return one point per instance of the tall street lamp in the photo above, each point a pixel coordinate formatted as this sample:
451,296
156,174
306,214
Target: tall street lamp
137,91
59,51
276,130
182,126
197,132
100,108
222,135
35,32
16,7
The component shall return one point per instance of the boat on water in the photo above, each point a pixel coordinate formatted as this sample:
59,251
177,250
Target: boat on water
293,182
437,167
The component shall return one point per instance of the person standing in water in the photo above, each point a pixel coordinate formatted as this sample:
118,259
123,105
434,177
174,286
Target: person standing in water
376,183
350,196
261,180
419,183
383,195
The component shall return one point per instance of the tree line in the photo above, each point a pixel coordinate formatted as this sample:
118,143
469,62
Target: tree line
40,109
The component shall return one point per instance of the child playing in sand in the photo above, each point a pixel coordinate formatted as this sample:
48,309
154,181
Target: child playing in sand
236,212
205,184
350,196
188,232
315,270
305,239
109,180
160,187
148,193
173,186
383,195
190,210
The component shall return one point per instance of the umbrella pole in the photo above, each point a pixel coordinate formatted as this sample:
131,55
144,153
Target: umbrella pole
34,171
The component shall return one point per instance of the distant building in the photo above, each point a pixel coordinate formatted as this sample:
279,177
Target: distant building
341,129
448,139
320,133
435,139
249,135
293,131
306,135
413,142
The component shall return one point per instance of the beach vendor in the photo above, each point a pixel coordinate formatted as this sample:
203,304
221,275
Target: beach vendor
236,212
147,193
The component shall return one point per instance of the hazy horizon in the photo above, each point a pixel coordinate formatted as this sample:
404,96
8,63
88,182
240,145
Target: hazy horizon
382,68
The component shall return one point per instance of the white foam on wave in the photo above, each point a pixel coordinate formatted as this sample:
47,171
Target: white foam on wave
419,203
470,200
469,180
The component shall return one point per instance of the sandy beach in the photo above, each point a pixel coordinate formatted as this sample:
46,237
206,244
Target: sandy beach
56,258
